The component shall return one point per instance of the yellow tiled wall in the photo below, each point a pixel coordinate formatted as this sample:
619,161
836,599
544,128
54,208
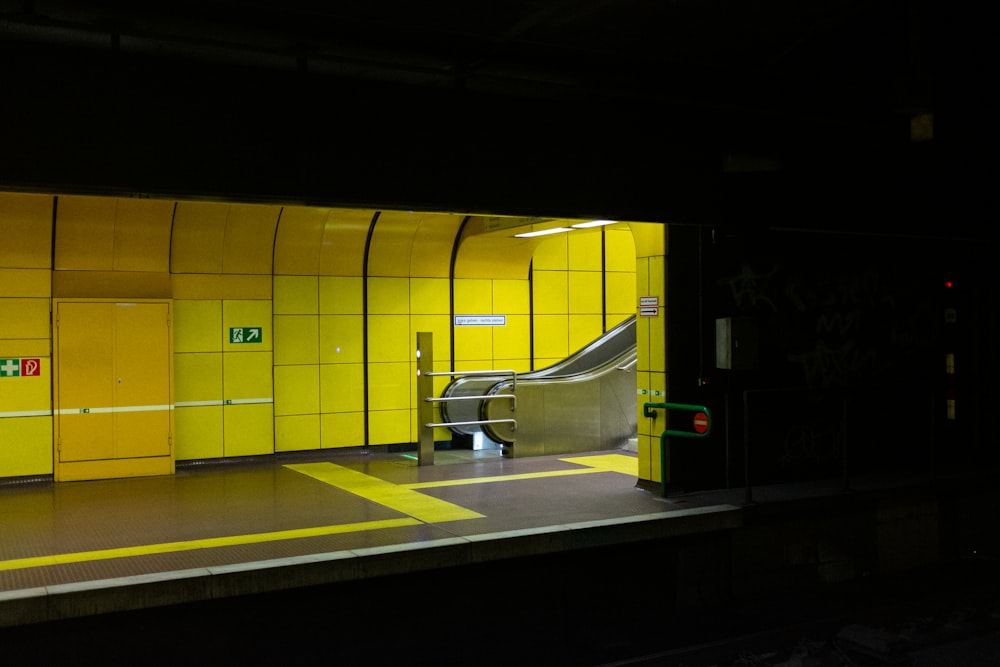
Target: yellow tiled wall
335,363
25,335
651,344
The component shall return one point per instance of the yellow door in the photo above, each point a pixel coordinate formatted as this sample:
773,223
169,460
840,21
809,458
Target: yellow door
113,389
85,393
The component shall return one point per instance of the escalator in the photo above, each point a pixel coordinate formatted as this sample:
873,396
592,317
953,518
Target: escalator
583,403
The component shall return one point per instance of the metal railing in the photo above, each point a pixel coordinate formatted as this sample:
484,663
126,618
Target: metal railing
649,410
512,397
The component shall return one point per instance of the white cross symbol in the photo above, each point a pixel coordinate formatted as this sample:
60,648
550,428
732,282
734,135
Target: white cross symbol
10,368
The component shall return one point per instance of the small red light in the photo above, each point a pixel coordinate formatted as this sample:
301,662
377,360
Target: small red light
948,284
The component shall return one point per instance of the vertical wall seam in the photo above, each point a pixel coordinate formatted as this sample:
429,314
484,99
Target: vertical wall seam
170,246
531,313
364,322
451,291
604,281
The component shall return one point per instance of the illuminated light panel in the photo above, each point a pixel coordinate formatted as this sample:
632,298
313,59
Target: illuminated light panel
593,223
542,232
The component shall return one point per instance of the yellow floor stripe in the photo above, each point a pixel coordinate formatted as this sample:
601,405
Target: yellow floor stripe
628,465
605,463
395,496
499,478
208,543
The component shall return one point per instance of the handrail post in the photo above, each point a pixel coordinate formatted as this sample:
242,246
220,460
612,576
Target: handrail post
425,387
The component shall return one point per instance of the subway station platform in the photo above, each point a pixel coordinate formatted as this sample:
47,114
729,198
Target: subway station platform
387,557
227,529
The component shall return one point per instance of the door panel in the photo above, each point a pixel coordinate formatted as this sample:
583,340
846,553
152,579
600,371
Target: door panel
115,389
86,354
142,379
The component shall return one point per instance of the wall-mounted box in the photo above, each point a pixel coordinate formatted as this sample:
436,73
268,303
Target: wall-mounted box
736,343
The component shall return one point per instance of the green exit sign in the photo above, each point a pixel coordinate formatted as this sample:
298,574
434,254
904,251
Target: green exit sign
240,335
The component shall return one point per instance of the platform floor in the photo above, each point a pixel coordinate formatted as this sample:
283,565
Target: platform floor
228,537
224,529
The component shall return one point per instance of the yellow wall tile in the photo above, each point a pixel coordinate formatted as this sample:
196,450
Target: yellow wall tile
341,295
552,254
514,340
342,429
26,227
511,297
199,234
249,241
551,336
25,283
620,295
344,238
198,433
34,347
474,344
389,386
296,390
24,318
430,296
27,446
341,388
389,427
296,433
142,234
583,330
341,339
388,338
585,292
28,393
296,295
246,375
248,430
296,339
197,325
619,250
584,250
392,243
85,233
197,376
473,296
649,238
551,292
388,296
199,286
298,240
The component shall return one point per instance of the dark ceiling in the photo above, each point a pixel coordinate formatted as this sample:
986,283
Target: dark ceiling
642,108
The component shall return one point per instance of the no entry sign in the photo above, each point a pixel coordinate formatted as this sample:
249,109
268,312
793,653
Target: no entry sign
700,422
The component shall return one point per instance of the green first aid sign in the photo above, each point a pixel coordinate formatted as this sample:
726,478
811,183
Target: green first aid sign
12,368
240,335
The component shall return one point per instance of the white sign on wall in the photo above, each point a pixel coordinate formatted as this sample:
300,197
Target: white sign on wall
480,320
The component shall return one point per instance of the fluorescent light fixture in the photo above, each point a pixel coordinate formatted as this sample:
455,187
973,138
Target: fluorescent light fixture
542,232
593,223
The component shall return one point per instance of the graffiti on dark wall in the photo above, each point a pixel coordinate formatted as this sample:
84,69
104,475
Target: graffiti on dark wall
828,319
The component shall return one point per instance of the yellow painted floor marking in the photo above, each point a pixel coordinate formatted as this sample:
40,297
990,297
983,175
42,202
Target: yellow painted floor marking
628,465
499,478
208,543
395,496
603,463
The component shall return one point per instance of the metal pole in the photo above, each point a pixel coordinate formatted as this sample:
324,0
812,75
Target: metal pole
425,388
